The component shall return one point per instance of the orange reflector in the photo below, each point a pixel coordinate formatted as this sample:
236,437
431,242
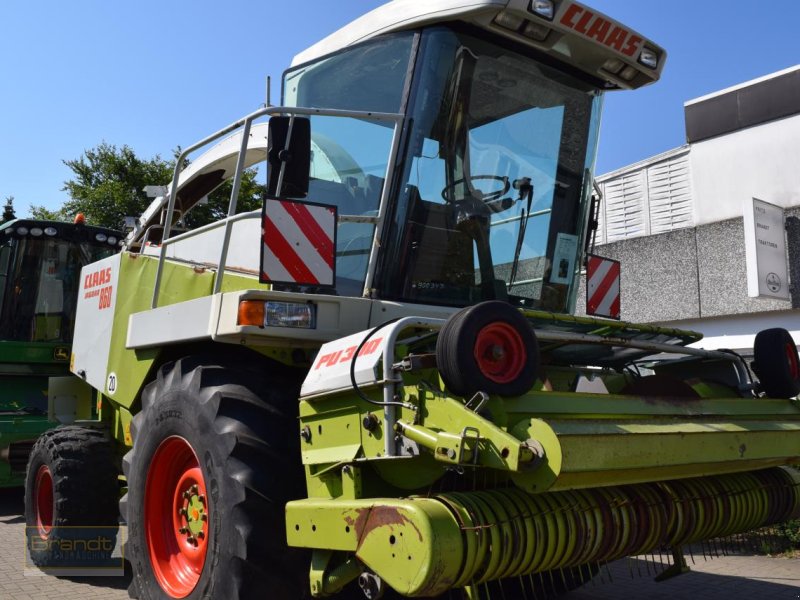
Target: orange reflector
251,312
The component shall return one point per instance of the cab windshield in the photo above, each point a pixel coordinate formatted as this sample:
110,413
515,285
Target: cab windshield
39,281
349,156
495,183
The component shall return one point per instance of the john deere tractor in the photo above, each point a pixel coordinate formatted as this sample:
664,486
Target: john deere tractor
40,266
376,385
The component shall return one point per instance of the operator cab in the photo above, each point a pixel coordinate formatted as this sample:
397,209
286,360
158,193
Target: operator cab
491,180
40,266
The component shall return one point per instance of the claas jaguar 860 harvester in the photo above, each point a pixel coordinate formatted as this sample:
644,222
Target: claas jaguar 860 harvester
377,384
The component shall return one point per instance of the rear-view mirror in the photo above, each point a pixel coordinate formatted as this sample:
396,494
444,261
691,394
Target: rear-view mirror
288,164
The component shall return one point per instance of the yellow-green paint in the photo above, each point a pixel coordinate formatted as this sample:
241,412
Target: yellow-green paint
180,282
415,545
589,440
423,546
585,453
134,294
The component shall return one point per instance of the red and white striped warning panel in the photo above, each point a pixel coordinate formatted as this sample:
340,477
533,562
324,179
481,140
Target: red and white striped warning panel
298,243
602,287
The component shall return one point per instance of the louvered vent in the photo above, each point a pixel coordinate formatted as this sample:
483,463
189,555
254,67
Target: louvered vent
647,198
670,195
625,206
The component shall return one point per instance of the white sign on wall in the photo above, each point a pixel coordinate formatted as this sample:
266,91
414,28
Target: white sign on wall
767,270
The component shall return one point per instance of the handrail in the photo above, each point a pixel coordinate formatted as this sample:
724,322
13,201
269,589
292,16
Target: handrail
253,214
246,122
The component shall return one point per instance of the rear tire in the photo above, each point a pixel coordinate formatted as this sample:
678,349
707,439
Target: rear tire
71,482
231,431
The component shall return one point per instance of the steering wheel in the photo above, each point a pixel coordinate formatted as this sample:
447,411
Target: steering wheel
447,192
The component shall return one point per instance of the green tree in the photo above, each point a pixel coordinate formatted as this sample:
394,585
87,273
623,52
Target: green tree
108,185
46,214
8,210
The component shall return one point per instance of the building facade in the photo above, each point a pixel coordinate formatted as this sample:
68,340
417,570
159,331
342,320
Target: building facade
675,221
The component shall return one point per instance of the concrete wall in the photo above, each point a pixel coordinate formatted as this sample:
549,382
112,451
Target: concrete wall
743,142
693,273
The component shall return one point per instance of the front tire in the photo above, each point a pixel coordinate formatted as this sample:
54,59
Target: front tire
215,459
489,347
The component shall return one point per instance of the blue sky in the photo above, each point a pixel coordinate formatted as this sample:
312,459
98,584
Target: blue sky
155,75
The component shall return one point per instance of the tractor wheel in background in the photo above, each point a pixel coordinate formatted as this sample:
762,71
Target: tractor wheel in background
215,458
489,347
71,483
776,363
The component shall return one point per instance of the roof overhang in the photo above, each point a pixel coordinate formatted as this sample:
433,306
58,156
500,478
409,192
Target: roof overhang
577,35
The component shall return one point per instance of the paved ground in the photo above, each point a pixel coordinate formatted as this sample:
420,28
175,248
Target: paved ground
723,578
726,578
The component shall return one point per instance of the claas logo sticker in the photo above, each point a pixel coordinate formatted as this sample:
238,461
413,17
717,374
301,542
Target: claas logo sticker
97,284
601,30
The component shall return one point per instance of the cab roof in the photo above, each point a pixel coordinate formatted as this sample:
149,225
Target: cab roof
576,34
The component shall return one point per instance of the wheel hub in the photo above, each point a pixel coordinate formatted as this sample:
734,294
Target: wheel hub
500,352
192,515
177,531
43,501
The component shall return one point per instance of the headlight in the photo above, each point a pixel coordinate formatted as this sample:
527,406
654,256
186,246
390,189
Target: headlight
648,58
258,313
543,8
509,20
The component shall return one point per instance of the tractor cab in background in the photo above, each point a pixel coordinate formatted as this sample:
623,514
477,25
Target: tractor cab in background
40,278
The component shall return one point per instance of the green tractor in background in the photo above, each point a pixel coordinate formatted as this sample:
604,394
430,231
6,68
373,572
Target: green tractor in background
40,265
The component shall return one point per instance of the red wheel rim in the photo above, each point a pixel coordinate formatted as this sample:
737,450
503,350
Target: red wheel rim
500,352
176,514
43,501
791,356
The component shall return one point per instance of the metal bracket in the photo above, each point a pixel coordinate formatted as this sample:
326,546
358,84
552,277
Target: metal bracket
480,398
477,439
326,579
416,362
